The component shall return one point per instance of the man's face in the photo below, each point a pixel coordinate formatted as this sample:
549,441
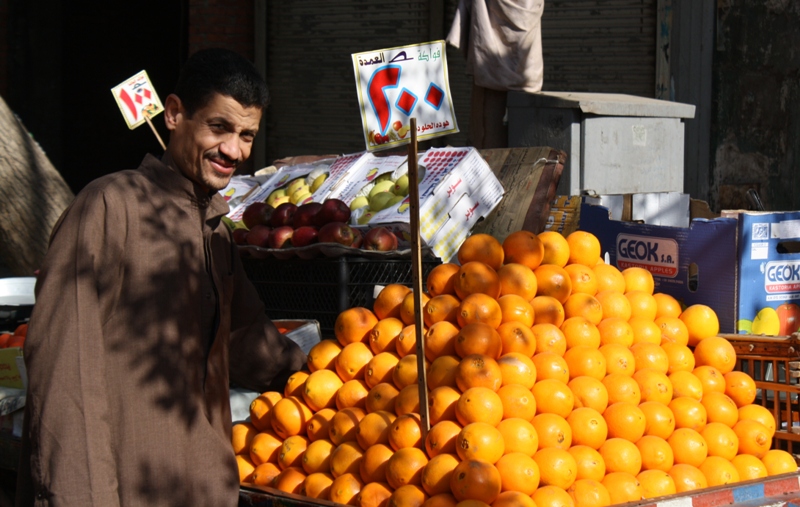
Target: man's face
209,146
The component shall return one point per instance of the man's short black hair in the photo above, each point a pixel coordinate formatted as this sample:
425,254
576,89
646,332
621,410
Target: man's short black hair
220,71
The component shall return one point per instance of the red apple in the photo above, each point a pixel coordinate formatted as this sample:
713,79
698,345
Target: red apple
304,215
240,236
789,317
257,213
332,210
304,235
281,237
259,235
358,238
283,214
336,232
380,239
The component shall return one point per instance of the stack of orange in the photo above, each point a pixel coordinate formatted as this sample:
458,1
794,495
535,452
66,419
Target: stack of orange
553,379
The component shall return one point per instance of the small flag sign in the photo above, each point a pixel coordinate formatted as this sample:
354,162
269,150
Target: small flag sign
136,97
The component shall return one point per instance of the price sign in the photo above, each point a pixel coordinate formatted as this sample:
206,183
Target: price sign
136,97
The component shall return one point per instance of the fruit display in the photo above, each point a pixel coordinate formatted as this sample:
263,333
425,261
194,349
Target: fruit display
782,320
553,379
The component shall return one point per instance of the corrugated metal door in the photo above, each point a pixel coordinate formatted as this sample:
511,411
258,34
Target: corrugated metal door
605,46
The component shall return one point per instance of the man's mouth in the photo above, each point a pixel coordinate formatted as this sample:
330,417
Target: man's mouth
223,166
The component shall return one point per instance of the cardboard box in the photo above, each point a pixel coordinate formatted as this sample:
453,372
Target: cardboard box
10,374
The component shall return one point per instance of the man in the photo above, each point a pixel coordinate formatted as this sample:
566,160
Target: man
139,303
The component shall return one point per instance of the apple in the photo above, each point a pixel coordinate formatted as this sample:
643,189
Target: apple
259,236
336,232
281,237
358,238
380,239
397,125
240,236
380,201
304,215
305,235
386,185
283,214
359,202
401,185
257,213
332,210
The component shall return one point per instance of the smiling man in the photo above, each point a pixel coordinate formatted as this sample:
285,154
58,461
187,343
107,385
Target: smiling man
141,306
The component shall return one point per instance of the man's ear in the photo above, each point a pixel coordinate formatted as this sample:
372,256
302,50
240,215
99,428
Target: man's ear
173,111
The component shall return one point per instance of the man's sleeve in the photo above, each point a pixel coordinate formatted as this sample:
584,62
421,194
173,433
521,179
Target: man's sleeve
71,460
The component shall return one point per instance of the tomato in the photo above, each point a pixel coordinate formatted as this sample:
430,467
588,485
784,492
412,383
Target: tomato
789,318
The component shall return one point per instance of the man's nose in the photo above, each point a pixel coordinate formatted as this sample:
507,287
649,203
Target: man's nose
231,149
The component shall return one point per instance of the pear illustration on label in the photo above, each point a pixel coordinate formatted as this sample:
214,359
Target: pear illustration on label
766,322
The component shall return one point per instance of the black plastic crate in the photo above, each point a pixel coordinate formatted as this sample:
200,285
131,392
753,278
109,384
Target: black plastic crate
323,288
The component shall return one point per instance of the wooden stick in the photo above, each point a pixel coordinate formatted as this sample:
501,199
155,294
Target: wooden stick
416,276
153,128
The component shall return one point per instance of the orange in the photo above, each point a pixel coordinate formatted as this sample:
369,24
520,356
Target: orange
553,281
680,357
345,489
265,448
442,404
382,397
480,308
622,388
478,338
383,337
477,370
518,402
374,428
483,248
354,324
442,438
406,371
609,278
373,494
580,331
588,426
405,431
372,467
320,389
619,359
344,424
317,456
294,384
638,279
515,308
645,330
553,397
655,386
749,467
684,383
584,280
721,440
719,471
590,463
740,387
556,248
518,472
407,340
241,436
553,431
477,278
346,459
319,425
589,493
475,480
519,435
380,368
557,467
436,475
552,496
656,483
701,322
758,414
352,361
666,305
585,361
614,304
717,352
322,356
290,480
409,495
442,307
615,330
291,452
720,408
778,462
513,499
547,310
290,417
442,372
390,301
517,368
407,400
583,305
517,279
621,455
353,393
549,338
643,304
408,309
625,420
584,248
754,437
656,453
673,329
523,247
659,419
261,407
711,378
550,366
517,337
588,392
688,446
623,487
480,441
440,340
405,467
441,279
650,355
265,473
479,404
687,478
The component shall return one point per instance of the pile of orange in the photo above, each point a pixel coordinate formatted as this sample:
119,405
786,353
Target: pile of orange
553,380
15,339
